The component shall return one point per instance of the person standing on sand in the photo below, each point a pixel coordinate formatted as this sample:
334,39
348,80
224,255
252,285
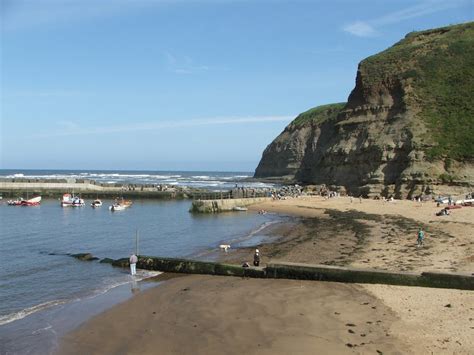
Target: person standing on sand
256,258
421,237
133,264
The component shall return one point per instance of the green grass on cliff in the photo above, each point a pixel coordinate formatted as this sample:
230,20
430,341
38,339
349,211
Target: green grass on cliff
319,114
438,68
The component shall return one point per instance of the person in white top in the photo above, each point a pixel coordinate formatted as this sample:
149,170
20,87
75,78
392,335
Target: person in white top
133,264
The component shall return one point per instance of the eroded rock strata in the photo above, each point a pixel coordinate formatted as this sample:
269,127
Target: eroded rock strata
407,127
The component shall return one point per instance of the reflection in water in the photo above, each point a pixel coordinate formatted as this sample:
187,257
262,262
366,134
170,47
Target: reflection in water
135,286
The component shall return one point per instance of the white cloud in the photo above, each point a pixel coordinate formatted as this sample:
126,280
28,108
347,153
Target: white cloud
72,129
183,64
424,8
368,28
68,125
27,14
360,29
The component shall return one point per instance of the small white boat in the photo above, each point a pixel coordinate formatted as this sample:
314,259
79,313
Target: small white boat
116,207
96,203
238,208
69,200
120,205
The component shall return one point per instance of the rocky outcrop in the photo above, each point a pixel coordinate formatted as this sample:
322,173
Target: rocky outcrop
84,256
406,129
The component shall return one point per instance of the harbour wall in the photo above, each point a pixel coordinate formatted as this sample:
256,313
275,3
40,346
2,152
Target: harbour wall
224,205
306,272
87,189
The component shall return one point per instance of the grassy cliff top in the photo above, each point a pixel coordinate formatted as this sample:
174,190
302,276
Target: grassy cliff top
319,114
436,68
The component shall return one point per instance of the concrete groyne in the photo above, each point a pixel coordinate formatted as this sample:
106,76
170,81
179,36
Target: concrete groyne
224,205
306,272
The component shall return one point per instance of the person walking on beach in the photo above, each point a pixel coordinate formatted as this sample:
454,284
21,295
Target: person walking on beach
133,264
421,237
256,258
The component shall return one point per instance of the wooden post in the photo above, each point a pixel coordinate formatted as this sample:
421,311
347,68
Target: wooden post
136,243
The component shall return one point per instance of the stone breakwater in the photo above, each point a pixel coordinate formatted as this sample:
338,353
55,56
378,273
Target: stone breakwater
90,189
224,205
298,271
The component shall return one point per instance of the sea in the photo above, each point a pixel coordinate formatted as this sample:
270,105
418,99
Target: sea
216,181
44,292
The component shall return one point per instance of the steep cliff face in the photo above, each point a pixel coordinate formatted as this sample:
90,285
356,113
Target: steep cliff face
408,124
285,156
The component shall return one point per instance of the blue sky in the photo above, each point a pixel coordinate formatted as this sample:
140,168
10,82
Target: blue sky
182,85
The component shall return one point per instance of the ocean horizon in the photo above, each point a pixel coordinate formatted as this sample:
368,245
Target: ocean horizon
212,180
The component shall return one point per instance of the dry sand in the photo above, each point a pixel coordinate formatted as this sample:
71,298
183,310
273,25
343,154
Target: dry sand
216,315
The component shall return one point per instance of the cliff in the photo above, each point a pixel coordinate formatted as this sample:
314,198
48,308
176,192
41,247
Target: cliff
407,127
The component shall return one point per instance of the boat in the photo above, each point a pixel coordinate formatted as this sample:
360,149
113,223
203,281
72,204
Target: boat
120,205
96,203
238,208
16,202
116,207
69,200
35,201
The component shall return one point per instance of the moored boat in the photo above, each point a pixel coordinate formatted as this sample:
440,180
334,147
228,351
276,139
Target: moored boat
16,202
96,203
120,205
35,201
70,200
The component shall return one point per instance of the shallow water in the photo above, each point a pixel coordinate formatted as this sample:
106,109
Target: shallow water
37,275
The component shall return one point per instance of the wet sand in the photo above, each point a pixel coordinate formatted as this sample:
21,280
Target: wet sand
215,315
372,234
226,315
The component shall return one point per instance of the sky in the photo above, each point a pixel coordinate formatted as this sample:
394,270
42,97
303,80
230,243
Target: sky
178,84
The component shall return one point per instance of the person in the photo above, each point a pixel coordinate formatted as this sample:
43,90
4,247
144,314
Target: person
133,264
256,258
421,236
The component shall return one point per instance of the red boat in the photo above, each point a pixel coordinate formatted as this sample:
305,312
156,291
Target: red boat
35,201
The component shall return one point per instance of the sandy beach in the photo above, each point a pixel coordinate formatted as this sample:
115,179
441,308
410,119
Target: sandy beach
214,315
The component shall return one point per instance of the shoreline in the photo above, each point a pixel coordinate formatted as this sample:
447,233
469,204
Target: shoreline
43,329
404,309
